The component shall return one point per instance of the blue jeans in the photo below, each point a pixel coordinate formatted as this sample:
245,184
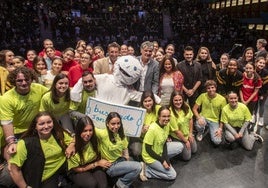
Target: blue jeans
127,171
213,127
156,169
174,149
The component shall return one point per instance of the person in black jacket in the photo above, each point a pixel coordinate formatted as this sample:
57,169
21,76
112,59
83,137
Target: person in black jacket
41,154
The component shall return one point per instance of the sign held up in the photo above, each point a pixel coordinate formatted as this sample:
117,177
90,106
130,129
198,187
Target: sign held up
132,117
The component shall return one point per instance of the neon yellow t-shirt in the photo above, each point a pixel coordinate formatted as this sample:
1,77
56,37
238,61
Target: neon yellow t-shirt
21,109
110,151
81,106
211,108
56,109
54,156
151,117
235,117
156,137
180,123
89,156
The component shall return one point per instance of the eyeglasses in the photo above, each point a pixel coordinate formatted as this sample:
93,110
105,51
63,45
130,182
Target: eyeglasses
21,80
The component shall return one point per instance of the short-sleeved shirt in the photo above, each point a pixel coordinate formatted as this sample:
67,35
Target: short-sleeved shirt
235,116
156,137
151,117
211,107
81,106
59,109
21,109
54,156
249,86
110,151
88,153
180,123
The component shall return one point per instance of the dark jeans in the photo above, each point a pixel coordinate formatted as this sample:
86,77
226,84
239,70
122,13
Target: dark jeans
90,179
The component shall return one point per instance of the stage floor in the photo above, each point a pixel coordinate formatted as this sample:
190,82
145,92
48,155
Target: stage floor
220,168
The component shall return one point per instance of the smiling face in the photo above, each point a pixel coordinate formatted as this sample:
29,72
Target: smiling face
260,64
232,66
56,66
211,90
87,133
188,55
62,85
249,69
203,54
48,43
50,52
99,53
164,117
85,60
177,101
68,56
148,103
123,50
224,60
89,50
41,65
113,53
9,57
146,53
23,84
170,50
114,124
159,56
17,62
130,50
249,55
44,126
233,100
88,83
168,66
31,55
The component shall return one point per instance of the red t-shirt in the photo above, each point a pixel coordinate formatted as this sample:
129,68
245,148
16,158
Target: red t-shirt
75,73
66,66
42,53
249,86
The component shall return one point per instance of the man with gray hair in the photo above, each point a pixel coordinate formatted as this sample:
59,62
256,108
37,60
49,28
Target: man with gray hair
261,43
150,69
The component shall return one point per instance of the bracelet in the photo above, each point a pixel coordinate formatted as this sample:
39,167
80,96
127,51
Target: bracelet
220,129
10,137
12,142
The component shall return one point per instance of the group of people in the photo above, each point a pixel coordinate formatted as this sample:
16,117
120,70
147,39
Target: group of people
46,132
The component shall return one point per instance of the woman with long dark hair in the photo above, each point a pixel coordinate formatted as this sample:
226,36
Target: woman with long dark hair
181,124
57,101
40,156
114,148
86,165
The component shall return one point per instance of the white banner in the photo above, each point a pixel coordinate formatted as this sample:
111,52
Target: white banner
132,117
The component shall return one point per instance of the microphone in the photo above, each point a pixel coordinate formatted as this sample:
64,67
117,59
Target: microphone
240,45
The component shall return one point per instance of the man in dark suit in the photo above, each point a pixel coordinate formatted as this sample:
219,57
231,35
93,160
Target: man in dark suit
150,74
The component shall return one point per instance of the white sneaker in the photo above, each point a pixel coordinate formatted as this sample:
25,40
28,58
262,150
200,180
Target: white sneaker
258,138
261,121
199,136
142,173
253,119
